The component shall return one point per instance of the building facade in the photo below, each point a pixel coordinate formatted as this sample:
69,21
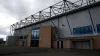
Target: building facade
78,28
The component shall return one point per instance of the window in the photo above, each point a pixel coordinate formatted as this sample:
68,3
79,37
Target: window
21,37
88,29
83,30
76,30
35,34
25,37
98,28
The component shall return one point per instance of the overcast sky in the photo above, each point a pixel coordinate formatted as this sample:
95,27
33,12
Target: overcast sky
12,11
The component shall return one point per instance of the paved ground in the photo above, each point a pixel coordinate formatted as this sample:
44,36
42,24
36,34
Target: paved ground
57,53
23,51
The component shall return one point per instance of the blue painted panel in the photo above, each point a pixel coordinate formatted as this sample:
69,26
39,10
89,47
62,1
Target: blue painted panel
76,30
88,30
83,30
98,28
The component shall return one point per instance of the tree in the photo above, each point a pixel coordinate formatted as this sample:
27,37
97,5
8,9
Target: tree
1,41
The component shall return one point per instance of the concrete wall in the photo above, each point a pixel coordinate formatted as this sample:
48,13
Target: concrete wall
64,30
12,41
79,19
95,13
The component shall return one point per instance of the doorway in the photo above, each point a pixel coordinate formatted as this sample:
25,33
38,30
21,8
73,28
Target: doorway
82,44
34,43
59,44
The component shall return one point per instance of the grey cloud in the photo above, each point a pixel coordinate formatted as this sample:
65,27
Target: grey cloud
22,8
15,7
3,31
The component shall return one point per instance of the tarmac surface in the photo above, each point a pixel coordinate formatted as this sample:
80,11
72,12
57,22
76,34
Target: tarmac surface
24,51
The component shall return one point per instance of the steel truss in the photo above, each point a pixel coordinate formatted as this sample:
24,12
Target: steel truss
54,10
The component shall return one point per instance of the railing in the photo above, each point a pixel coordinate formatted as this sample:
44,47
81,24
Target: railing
56,9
